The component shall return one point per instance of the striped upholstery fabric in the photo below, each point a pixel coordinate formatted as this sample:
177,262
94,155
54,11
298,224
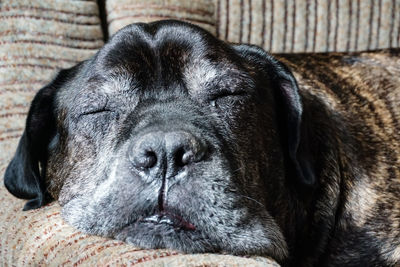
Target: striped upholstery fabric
286,26
123,12
36,39
279,26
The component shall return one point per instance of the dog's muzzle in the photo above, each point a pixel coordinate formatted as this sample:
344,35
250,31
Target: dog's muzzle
159,156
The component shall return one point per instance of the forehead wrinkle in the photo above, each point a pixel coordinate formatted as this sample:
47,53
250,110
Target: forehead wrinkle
131,50
148,51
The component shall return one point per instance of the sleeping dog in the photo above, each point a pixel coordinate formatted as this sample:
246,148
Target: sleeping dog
171,138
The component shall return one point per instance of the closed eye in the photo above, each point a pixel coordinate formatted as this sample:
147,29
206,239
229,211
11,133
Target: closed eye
96,111
226,97
227,94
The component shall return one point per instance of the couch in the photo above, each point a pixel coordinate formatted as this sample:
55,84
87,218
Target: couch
37,38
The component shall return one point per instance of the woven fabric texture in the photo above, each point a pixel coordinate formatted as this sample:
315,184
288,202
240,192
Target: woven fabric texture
36,39
123,12
279,26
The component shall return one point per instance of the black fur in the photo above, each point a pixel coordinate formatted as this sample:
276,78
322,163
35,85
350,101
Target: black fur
24,177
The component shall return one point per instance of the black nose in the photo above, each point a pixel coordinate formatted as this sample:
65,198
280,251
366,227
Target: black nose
166,153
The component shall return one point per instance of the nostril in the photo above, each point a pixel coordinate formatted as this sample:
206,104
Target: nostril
178,157
147,160
183,157
187,157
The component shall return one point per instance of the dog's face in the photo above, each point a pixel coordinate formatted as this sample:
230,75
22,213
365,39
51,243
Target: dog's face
166,138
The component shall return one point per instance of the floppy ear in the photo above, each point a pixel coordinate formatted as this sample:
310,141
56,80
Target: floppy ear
24,177
289,112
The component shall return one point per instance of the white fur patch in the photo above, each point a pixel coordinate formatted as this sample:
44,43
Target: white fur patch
118,83
199,73
361,200
103,189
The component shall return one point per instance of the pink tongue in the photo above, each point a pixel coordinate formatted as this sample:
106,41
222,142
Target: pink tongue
171,219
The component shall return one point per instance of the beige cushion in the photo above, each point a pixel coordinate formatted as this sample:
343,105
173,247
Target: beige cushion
277,26
123,12
37,38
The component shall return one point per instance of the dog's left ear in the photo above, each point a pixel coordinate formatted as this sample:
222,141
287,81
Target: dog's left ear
289,111
24,175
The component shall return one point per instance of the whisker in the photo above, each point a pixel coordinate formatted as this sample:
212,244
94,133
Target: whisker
237,170
252,199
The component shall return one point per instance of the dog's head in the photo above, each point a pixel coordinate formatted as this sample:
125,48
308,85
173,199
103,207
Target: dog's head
167,138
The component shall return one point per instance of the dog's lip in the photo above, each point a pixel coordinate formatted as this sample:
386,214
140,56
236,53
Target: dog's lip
172,219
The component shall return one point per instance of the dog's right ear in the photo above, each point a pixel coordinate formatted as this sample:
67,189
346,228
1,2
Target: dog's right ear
24,177
289,109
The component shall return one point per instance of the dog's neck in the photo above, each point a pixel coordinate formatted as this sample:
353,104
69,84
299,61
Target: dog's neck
326,138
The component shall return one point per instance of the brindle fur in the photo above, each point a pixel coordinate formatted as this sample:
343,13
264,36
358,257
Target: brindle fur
352,103
337,202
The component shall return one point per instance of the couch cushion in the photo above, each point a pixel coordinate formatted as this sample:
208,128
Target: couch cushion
37,38
123,12
310,26
277,26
